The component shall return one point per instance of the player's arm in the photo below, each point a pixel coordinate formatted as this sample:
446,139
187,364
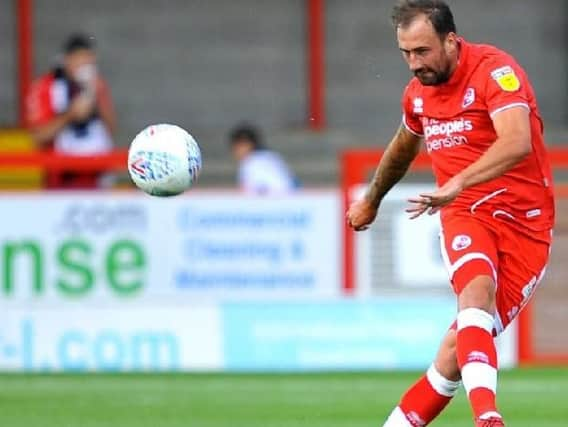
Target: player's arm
513,144
394,164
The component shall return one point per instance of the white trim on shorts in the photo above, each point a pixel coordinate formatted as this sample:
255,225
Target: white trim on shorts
461,261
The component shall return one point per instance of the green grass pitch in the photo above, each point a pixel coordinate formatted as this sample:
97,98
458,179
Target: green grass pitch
528,398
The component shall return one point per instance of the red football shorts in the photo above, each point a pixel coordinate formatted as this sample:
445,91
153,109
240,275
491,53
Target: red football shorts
516,261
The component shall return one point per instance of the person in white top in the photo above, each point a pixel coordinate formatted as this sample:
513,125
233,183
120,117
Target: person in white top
261,171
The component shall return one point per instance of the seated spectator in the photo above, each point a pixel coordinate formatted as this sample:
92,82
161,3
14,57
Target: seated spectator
69,111
261,171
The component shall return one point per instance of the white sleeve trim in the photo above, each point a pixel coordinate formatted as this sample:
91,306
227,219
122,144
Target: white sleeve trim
508,106
408,127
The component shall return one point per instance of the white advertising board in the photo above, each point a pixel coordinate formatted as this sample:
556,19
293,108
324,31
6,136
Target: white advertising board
109,246
111,339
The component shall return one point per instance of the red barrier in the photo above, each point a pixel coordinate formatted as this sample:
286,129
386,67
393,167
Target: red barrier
114,161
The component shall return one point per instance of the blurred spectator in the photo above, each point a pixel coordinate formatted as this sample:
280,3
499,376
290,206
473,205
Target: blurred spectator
261,171
69,111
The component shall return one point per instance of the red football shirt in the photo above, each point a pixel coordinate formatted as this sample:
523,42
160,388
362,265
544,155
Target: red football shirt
455,119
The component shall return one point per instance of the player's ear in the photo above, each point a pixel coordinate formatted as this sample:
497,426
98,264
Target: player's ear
451,42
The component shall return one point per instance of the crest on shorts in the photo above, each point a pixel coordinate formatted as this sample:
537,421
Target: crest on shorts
460,242
469,97
506,78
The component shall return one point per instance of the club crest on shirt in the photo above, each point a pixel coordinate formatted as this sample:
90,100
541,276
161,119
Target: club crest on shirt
418,104
506,78
461,242
469,97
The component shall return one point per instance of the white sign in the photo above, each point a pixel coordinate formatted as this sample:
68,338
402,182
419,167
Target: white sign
397,251
113,246
111,339
417,256
261,335
257,247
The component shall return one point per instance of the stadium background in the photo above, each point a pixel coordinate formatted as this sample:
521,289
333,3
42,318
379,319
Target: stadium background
115,281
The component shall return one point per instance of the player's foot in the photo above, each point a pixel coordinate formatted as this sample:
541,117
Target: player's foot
490,422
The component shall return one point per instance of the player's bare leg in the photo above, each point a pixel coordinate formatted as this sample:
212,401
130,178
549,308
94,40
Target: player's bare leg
476,353
426,399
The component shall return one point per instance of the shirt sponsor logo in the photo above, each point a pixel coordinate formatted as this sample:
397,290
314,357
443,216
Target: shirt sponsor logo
436,128
461,242
469,97
506,78
418,104
442,134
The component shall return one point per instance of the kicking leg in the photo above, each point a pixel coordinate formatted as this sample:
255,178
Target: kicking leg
432,392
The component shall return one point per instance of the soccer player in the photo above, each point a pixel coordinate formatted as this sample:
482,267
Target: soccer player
474,109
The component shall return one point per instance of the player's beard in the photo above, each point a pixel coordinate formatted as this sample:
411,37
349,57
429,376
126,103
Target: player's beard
430,77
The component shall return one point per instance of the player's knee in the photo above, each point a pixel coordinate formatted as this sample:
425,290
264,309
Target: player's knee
478,293
479,318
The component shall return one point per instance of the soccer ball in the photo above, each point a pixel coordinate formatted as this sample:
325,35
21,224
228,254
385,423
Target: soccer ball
164,160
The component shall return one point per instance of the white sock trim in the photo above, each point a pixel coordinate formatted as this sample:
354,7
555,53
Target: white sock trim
442,385
479,375
397,419
490,414
475,317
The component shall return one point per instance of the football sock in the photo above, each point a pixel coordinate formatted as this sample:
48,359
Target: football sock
423,401
477,359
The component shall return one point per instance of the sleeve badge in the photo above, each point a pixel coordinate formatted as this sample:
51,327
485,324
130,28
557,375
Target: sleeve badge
506,79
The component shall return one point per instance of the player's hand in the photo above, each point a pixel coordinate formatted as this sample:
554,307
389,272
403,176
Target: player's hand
361,214
433,202
81,107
